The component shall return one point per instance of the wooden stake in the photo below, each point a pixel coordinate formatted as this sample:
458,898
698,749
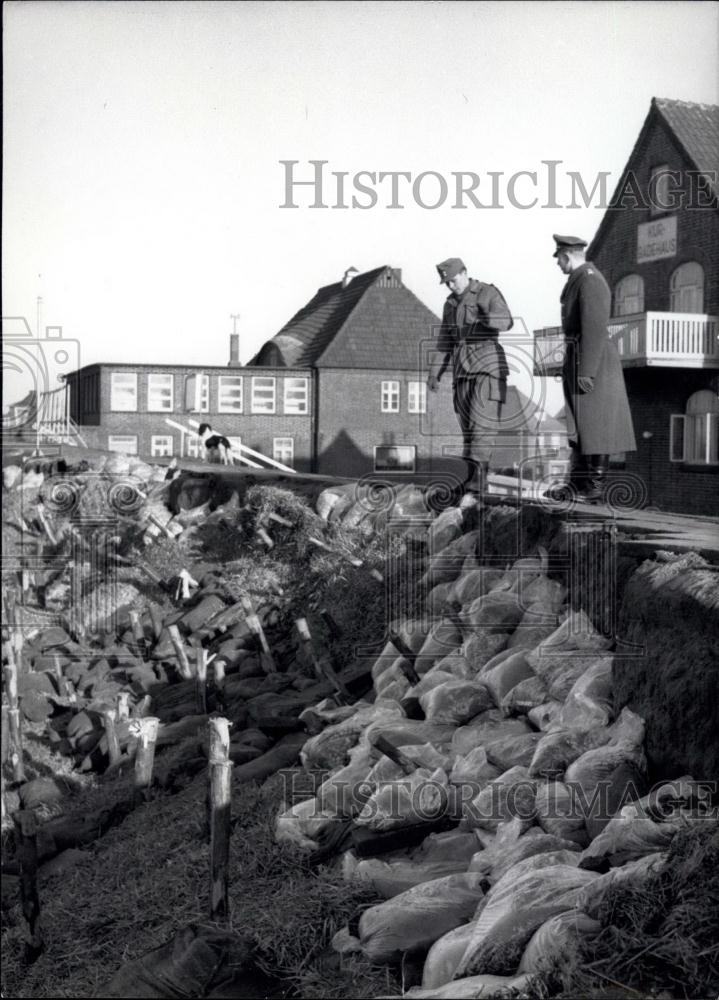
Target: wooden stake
66,688
113,744
147,737
157,622
14,727
123,705
335,552
384,746
264,538
201,676
220,819
45,524
280,520
138,631
154,519
323,670
218,684
26,833
183,662
267,660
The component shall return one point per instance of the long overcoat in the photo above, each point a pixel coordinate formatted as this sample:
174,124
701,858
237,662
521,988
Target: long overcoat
600,420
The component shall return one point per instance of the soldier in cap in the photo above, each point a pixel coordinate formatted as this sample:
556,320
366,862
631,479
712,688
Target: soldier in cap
474,314
599,422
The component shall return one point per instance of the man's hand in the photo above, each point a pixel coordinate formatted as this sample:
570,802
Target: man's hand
433,383
586,383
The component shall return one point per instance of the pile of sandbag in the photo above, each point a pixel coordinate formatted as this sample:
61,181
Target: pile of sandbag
487,786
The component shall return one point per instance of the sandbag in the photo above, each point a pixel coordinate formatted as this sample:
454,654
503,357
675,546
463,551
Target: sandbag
437,602
634,875
455,702
392,683
443,638
576,632
415,919
432,679
627,838
602,784
469,988
330,747
523,697
473,771
481,646
328,713
487,725
542,590
511,794
515,907
424,755
345,792
556,751
301,825
455,664
516,749
511,845
538,622
444,957
401,732
546,715
473,583
183,967
495,611
444,529
500,679
561,670
589,702
418,797
391,878
555,939
447,564
558,813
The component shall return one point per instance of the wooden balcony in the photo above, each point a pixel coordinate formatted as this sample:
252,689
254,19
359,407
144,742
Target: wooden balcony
659,339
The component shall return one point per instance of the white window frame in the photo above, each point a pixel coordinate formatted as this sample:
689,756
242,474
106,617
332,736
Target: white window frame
230,384
116,387
193,444
113,445
160,387
283,450
416,397
694,438
296,395
197,398
632,300
678,293
258,404
162,446
389,396
398,471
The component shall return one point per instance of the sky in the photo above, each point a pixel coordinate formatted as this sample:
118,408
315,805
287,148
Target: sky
142,143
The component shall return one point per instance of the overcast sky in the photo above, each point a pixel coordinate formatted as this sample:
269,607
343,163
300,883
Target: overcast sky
142,149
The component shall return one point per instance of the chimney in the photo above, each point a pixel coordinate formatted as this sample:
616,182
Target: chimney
349,275
234,351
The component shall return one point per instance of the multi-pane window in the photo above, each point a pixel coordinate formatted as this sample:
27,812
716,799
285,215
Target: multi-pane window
296,395
390,397
229,394
417,397
197,393
124,443
263,394
192,446
394,458
123,391
694,435
161,445
283,450
687,288
159,393
629,295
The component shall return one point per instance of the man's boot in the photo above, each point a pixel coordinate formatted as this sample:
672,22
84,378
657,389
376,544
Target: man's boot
575,481
476,482
592,490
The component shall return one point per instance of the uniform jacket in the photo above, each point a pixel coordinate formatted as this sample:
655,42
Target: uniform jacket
599,420
468,337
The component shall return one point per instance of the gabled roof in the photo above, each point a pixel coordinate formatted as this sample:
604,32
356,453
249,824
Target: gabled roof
695,130
696,127
373,322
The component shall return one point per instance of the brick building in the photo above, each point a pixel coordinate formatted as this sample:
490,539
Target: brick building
340,390
658,247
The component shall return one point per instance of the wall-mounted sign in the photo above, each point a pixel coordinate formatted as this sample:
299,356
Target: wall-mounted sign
657,239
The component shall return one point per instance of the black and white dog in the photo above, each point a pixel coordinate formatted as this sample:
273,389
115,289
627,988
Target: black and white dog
218,449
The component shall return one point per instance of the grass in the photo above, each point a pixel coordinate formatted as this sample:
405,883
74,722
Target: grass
135,891
659,938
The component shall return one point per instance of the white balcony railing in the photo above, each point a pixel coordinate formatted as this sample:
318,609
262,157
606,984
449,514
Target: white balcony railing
672,340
